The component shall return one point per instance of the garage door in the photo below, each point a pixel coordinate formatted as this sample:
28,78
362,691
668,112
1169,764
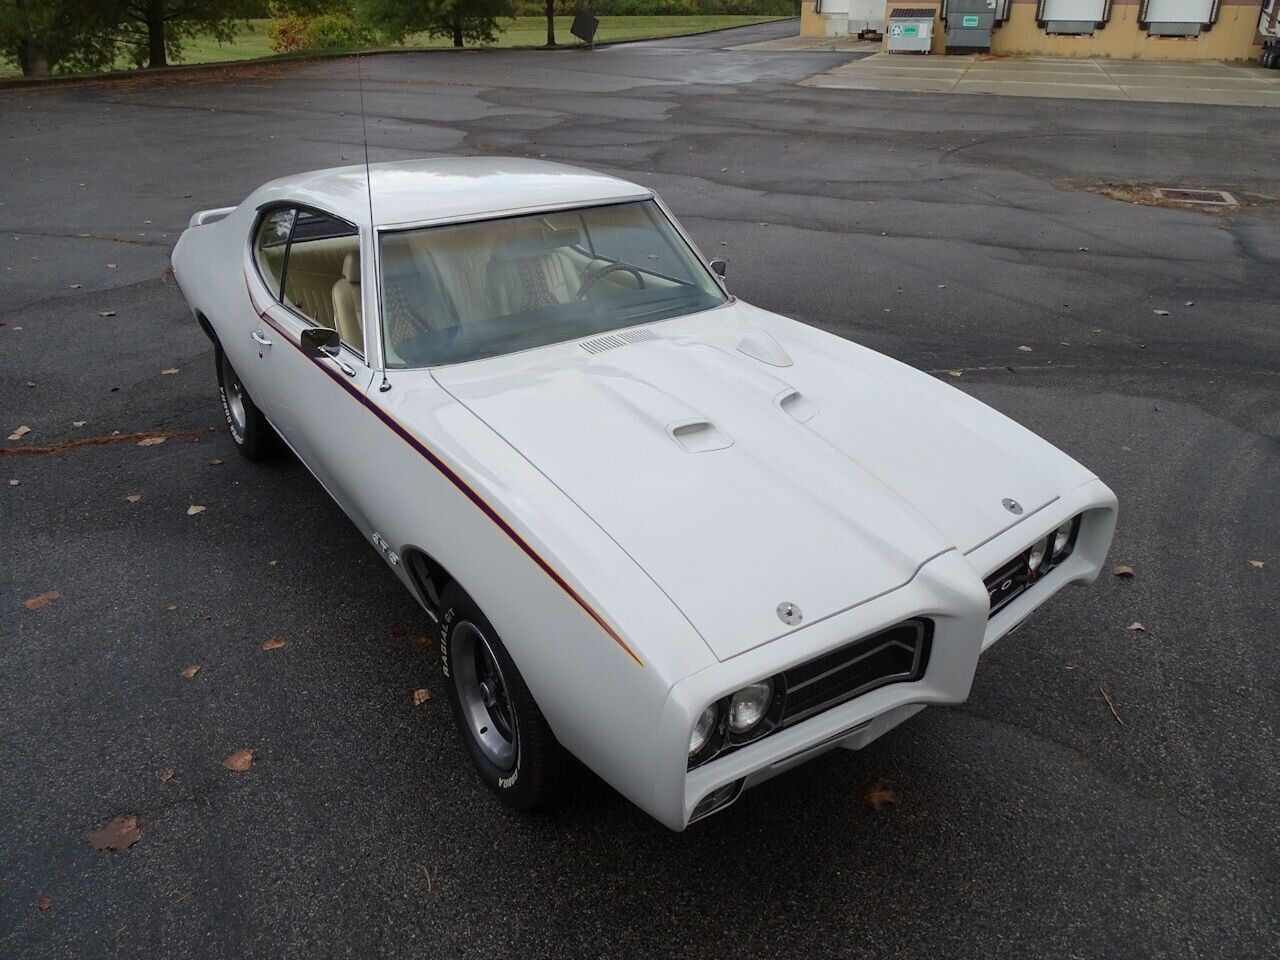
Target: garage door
1073,16
1178,18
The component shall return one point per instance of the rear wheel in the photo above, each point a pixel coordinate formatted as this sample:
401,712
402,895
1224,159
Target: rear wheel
509,740
253,436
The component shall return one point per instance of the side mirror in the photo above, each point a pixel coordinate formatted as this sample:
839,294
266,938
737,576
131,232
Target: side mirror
320,342
718,267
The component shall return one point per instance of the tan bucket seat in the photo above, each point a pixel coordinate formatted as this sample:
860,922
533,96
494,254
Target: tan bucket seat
347,313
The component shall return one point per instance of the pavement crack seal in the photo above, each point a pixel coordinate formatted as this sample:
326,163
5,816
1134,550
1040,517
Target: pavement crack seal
65,445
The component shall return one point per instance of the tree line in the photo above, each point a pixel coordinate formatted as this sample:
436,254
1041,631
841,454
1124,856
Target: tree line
46,36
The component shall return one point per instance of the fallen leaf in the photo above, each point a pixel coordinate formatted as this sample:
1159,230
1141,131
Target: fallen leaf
215,462
956,373
1083,249
14,483
1121,570
75,286
118,833
167,774
168,371
273,643
111,266
1024,349
879,795
1137,627
1256,564
151,442
191,671
31,383
78,423
272,563
106,313
20,433
172,606
134,497
194,509
421,696
44,904
422,640
1161,313
239,760
1190,303
41,600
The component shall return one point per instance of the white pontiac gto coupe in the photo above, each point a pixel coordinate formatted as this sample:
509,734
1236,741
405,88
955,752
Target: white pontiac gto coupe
687,541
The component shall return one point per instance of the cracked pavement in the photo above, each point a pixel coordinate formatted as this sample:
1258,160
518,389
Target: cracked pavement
945,231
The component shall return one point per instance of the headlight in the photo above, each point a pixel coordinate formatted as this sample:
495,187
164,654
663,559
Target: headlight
703,729
1061,538
1036,557
748,706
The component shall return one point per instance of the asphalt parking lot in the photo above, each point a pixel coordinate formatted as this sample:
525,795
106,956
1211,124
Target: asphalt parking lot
950,232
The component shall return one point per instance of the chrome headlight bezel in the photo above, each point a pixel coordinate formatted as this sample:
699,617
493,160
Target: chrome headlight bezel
752,702
704,729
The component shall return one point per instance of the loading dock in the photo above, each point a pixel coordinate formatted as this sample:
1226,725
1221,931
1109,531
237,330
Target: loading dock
1226,30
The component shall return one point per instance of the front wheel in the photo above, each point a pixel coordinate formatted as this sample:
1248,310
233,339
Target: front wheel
253,435
509,740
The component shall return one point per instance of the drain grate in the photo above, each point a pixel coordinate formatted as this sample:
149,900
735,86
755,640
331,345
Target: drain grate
1214,198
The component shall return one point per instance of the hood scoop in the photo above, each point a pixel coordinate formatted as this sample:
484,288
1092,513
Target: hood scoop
758,345
699,436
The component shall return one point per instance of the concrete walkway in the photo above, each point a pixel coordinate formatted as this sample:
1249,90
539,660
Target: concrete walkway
1228,84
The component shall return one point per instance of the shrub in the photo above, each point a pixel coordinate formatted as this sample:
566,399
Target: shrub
333,30
292,33
664,8
286,34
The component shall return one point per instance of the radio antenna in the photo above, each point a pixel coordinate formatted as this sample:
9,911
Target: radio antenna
385,385
364,137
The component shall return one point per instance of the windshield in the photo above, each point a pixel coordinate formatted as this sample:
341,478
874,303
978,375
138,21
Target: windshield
475,290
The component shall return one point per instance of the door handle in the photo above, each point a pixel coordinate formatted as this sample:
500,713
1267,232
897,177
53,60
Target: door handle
260,338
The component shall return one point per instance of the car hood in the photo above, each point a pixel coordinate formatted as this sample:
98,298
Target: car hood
747,462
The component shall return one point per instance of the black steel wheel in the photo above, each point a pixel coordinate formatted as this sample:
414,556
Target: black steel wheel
508,738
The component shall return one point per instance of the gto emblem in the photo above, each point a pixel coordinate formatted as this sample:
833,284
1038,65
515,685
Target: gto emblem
789,614
1012,505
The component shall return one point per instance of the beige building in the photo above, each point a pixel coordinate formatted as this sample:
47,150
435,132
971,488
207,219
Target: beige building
1126,29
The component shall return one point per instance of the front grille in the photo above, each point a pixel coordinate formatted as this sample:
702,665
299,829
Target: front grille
1012,579
897,655
1007,584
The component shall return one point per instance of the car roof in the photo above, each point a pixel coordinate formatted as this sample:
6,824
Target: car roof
445,188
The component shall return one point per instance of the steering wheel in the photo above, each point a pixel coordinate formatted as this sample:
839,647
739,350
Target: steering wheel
594,276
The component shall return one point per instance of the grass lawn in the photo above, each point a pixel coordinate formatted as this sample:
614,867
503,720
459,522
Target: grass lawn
252,41
518,32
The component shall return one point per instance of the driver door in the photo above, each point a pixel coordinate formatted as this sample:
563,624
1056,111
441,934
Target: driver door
318,402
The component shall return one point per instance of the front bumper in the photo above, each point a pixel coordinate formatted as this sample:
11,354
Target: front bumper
947,589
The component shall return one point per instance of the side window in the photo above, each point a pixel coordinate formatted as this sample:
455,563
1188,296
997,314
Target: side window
322,275
269,247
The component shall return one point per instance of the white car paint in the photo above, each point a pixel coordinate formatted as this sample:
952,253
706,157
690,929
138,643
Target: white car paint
630,519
